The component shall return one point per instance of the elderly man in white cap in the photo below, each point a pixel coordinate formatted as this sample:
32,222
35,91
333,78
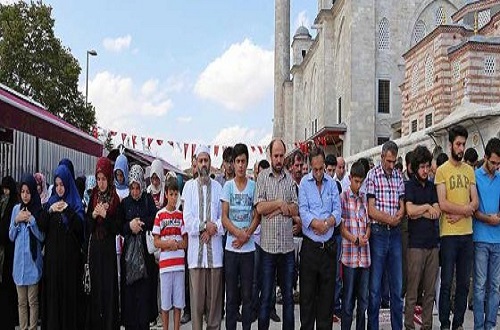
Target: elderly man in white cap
202,217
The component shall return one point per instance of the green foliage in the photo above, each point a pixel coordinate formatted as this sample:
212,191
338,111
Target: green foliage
34,62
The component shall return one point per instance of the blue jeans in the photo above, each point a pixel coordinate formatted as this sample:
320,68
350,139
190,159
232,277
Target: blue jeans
337,307
356,282
284,265
486,284
257,284
386,254
457,253
239,270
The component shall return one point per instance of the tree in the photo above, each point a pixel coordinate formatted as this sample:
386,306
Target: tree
33,62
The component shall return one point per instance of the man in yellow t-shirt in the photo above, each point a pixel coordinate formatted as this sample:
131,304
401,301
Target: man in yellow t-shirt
458,200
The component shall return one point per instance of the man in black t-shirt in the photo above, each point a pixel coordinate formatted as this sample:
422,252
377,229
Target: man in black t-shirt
423,253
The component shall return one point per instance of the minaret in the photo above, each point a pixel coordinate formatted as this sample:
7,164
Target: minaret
281,63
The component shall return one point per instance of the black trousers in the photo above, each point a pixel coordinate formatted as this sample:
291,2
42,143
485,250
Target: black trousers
317,284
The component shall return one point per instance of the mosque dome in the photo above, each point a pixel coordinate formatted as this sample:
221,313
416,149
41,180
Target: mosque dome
302,31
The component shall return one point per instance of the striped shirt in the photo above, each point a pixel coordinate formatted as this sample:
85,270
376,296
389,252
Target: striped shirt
170,225
387,190
276,234
355,220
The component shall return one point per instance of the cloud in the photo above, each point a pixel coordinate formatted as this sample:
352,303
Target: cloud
241,77
8,2
119,101
184,119
302,20
118,44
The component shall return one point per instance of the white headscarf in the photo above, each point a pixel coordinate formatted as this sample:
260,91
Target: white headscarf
157,168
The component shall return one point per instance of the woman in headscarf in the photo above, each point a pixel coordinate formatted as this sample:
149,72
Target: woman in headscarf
157,186
121,176
8,293
63,225
139,301
27,238
103,226
41,186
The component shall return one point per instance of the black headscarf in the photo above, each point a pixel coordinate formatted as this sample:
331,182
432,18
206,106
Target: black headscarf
34,206
9,183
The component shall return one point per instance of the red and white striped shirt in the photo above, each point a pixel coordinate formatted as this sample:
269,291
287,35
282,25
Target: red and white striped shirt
170,225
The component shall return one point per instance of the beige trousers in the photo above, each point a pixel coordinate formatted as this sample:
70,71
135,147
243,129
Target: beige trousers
205,285
27,296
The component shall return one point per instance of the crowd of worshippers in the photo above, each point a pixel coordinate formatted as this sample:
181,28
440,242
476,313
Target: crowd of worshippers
111,251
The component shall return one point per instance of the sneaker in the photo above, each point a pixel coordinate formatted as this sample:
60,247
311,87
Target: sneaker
336,319
186,318
417,318
275,317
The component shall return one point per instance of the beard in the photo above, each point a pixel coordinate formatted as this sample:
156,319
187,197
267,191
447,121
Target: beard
457,157
419,178
203,171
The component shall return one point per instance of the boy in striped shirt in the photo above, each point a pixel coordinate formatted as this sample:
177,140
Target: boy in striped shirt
171,237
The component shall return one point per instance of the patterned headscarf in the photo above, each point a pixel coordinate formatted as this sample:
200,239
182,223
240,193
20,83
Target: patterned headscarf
136,175
40,180
157,168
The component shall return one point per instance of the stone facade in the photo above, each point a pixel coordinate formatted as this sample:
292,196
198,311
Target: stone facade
452,76
333,84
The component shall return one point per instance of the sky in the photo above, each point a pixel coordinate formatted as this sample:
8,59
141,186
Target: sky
185,71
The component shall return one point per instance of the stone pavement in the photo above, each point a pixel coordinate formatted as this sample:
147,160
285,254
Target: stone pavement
384,324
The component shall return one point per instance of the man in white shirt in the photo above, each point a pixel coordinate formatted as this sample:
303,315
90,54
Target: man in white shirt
202,216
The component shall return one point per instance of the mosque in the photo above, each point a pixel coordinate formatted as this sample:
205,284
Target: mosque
380,70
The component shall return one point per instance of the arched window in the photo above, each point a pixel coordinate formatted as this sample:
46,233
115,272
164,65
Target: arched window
414,80
440,16
483,17
384,38
419,32
429,72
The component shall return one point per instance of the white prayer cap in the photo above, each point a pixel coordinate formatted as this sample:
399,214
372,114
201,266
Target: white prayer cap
202,149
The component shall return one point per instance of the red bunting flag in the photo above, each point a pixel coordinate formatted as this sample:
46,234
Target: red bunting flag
160,142
95,133
216,150
260,149
113,133
134,137
193,149
124,136
186,146
171,143
253,148
150,140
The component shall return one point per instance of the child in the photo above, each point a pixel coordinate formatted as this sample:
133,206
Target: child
171,237
355,249
24,232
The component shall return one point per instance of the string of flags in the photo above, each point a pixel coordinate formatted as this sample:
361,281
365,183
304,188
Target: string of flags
146,142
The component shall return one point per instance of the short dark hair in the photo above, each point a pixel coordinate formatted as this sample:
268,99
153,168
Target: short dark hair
272,144
172,185
297,154
421,155
471,155
227,155
455,131
366,164
315,152
358,170
441,159
239,149
408,158
492,147
330,160
263,164
390,146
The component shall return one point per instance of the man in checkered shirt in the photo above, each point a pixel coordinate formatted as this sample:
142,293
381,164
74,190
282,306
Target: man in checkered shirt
385,192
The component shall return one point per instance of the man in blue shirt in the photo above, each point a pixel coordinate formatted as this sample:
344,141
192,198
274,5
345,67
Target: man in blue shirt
319,208
486,236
